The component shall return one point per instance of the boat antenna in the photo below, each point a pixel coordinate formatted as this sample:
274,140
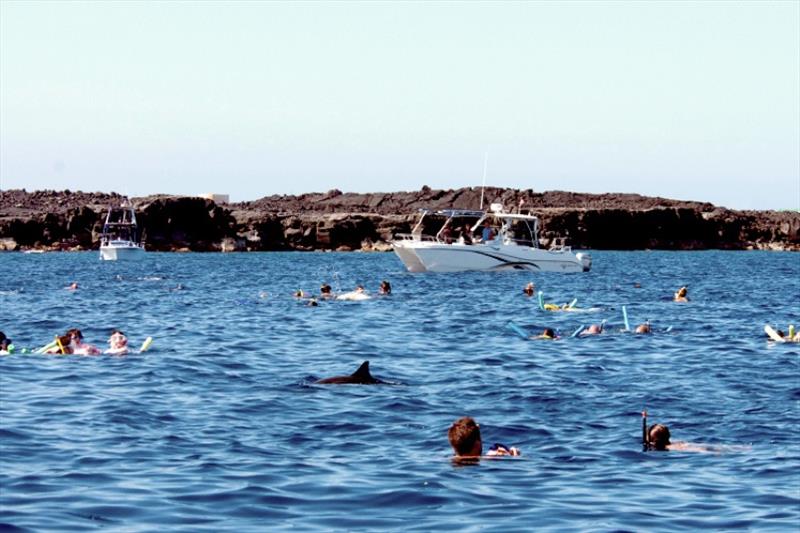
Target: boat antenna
483,183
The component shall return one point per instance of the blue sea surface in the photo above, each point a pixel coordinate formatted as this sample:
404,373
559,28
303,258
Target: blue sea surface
219,427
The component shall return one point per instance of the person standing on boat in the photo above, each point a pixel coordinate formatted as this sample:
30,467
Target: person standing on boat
447,234
488,233
466,234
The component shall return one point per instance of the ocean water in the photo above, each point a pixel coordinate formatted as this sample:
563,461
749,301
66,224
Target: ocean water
219,426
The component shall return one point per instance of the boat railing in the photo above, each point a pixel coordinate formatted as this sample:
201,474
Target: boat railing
415,237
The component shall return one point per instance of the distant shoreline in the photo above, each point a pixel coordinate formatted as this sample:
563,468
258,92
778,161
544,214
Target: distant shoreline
66,220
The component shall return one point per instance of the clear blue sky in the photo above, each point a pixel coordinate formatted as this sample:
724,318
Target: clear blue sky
688,100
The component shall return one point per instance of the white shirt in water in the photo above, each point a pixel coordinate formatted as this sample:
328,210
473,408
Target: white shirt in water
354,296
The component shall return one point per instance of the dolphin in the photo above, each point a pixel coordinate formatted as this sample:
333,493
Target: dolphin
359,377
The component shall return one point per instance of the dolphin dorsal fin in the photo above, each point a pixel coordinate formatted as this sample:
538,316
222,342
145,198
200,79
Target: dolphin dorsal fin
363,371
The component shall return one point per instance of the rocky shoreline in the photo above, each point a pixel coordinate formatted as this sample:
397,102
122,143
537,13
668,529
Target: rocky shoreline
66,220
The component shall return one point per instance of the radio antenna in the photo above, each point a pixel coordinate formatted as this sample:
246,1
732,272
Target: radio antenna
483,184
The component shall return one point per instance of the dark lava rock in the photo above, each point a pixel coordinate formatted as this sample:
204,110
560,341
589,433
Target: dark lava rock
334,220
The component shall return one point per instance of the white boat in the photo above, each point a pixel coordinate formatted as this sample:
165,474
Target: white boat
120,237
512,244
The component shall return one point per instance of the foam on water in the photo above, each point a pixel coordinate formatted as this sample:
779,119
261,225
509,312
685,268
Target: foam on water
219,426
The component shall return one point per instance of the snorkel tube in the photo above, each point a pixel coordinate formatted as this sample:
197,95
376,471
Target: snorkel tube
645,444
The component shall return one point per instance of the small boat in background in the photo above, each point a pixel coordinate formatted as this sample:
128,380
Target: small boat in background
120,237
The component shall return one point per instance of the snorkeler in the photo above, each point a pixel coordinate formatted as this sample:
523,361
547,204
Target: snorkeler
547,334
644,328
594,329
465,438
682,295
62,345
325,291
529,289
117,343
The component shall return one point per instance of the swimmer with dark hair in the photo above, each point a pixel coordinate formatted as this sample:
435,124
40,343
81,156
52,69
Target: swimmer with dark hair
547,334
6,347
657,438
386,288
62,346
465,438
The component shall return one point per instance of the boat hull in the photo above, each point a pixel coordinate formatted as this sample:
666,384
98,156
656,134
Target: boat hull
420,256
121,253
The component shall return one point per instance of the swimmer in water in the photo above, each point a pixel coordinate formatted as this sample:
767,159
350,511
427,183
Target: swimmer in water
465,438
77,344
73,286
682,295
5,344
547,334
325,291
299,294
312,302
117,343
385,288
792,336
644,328
529,289
594,329
63,345
657,438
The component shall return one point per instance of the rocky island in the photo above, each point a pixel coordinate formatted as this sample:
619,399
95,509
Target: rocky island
73,220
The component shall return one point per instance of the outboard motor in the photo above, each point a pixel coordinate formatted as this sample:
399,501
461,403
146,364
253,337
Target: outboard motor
586,261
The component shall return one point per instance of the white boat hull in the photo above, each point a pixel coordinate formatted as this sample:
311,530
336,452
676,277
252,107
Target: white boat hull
115,253
422,256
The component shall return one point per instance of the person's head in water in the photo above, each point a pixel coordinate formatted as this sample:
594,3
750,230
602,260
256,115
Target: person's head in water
325,289
386,288
644,328
63,345
594,329
529,289
465,437
548,333
117,340
682,295
75,336
658,437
